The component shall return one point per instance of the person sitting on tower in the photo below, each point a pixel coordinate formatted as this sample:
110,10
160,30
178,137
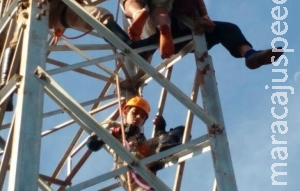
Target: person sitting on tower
62,17
159,12
228,34
136,112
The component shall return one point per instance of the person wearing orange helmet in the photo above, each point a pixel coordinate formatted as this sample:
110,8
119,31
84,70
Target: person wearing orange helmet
136,112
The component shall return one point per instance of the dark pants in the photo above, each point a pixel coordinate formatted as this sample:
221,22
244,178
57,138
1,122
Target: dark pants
228,34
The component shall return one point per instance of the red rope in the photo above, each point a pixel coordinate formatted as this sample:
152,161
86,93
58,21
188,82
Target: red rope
75,37
58,33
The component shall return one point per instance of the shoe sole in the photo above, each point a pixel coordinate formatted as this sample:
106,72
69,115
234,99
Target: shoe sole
263,59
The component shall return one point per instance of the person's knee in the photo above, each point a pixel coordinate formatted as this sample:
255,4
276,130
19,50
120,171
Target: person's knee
101,14
131,6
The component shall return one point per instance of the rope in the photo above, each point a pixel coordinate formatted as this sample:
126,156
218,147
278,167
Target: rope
145,186
133,174
125,143
120,110
122,125
58,34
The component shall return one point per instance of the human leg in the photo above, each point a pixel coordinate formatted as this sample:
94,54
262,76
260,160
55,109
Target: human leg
160,14
135,10
232,38
72,20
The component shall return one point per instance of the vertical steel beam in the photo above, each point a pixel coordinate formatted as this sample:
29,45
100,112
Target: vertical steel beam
25,158
211,102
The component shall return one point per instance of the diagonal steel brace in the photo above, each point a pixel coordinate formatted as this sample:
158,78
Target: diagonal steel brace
9,88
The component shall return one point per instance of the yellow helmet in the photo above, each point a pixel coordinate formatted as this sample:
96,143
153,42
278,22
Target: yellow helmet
140,103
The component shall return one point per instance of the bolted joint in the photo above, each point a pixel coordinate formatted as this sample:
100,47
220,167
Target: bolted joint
134,163
38,16
43,12
39,5
24,14
205,69
215,129
126,51
40,75
203,56
19,78
23,5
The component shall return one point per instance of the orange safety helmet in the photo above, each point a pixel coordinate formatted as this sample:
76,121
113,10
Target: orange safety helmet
138,102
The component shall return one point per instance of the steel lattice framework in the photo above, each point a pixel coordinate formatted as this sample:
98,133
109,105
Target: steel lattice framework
58,104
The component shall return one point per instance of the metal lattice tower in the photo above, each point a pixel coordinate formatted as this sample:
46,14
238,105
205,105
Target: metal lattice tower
63,92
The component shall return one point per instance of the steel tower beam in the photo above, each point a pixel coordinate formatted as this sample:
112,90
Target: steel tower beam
24,172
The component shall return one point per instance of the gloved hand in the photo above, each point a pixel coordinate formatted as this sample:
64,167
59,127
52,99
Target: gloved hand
94,143
131,130
160,124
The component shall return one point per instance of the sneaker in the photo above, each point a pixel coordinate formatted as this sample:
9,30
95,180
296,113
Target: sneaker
263,57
